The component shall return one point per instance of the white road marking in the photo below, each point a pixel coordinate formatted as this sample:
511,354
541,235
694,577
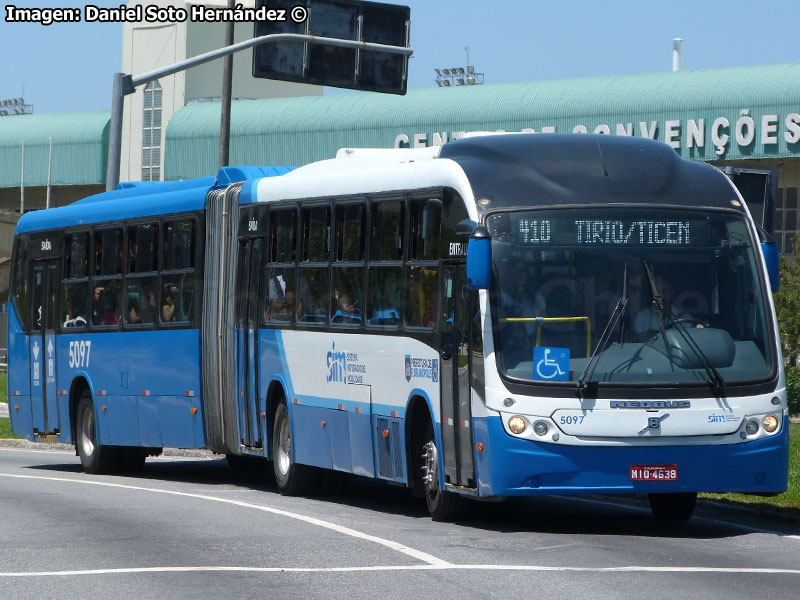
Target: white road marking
418,554
438,567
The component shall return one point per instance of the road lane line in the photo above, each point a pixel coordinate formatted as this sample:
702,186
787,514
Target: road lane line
417,554
442,567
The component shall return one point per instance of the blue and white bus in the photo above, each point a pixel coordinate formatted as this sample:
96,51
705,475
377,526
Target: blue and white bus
504,315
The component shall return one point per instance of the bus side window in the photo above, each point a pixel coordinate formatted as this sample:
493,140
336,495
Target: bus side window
20,288
178,245
423,238
143,246
77,255
282,303
348,267
75,305
421,291
108,252
388,220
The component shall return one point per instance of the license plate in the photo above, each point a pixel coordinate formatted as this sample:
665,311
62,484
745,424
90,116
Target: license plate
654,472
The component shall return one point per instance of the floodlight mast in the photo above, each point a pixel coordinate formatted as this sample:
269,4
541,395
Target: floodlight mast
125,84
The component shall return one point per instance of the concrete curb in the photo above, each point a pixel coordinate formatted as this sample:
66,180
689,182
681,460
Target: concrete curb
168,452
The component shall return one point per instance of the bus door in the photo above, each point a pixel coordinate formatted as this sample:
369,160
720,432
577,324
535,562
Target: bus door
248,293
458,307
43,346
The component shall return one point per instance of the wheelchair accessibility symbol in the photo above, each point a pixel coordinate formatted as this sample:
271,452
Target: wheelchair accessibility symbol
551,364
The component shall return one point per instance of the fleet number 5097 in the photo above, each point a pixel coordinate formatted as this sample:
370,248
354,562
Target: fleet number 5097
79,352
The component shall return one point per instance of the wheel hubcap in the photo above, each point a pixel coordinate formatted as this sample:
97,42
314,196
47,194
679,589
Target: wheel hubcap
87,433
430,470
284,447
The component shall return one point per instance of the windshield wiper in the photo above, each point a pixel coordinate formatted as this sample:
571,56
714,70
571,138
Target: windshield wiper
714,378
619,311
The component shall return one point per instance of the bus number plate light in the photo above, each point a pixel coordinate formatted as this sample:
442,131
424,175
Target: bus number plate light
654,472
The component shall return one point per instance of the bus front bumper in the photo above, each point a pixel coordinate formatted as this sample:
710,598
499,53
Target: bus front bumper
509,466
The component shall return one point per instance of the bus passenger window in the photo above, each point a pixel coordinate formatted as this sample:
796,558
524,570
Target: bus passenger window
143,248
423,236
106,305
75,305
346,299
178,245
20,289
383,305
387,230
316,234
176,298
141,307
313,295
77,255
280,296
350,234
421,290
282,236
108,252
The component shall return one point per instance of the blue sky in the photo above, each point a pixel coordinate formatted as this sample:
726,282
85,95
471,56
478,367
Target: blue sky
68,67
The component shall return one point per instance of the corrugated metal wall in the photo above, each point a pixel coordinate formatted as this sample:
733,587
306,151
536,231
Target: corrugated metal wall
301,130
80,148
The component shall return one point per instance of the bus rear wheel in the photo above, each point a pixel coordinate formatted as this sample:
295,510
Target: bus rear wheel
673,508
95,459
443,505
292,479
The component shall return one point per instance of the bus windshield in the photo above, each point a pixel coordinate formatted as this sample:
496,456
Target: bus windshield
560,274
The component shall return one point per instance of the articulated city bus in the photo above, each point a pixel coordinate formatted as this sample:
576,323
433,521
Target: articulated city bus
504,315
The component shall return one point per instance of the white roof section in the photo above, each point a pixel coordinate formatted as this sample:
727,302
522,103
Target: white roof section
368,171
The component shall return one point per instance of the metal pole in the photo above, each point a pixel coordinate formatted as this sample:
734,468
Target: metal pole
227,84
127,84
115,133
22,183
49,173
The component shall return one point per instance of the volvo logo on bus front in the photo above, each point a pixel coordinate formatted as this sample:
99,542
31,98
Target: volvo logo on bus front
650,404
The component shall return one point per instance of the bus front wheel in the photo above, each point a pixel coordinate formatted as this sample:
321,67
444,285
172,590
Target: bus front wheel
673,508
442,504
292,479
95,459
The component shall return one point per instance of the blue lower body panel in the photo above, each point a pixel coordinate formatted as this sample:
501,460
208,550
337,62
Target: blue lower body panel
510,466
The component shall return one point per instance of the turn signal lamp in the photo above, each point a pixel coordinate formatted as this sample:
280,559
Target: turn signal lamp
540,428
517,424
770,423
752,427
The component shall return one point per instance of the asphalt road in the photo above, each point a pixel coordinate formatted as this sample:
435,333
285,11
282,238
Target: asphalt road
190,528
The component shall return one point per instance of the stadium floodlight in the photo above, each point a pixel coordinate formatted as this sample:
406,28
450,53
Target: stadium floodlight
461,81
446,83
438,72
460,70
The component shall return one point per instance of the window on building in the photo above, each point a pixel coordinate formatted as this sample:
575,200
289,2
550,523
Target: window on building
151,132
786,222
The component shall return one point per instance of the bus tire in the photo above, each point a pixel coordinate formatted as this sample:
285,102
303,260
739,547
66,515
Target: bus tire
443,505
673,508
95,459
292,479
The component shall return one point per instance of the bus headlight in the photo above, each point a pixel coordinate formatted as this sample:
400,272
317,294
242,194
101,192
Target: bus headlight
770,423
540,428
517,424
752,427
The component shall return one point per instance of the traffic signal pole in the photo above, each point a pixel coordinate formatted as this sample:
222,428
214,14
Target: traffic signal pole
125,84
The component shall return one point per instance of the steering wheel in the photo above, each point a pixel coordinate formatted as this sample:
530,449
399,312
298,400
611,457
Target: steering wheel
691,321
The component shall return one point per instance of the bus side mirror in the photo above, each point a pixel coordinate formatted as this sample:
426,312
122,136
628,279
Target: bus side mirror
769,248
479,259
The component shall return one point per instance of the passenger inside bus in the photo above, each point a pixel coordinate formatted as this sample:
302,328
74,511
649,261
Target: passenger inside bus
647,322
